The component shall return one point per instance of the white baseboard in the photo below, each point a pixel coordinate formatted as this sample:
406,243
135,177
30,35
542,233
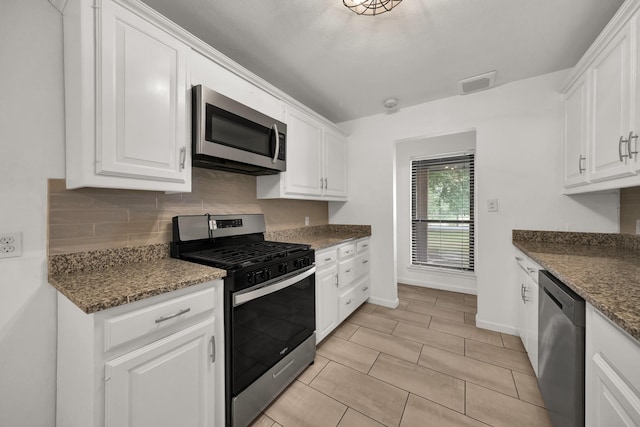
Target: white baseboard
452,288
384,302
497,327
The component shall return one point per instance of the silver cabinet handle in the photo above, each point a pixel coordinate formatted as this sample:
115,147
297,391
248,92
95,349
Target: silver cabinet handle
183,157
620,143
321,183
179,313
348,271
580,168
337,281
213,349
631,153
327,259
365,261
365,289
275,154
531,270
326,183
518,258
349,302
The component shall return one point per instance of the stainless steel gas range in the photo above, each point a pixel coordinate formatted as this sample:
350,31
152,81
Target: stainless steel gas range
269,307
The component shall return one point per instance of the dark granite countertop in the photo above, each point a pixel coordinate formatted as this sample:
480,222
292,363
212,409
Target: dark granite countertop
98,280
603,269
321,236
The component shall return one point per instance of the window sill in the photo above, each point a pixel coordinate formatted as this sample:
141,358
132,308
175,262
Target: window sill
446,271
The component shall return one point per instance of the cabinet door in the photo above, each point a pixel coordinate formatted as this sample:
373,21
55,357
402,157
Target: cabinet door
611,106
532,322
335,165
610,401
304,150
165,384
522,306
326,302
141,97
575,135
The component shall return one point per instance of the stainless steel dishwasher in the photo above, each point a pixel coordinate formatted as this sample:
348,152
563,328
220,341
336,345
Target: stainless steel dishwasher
561,351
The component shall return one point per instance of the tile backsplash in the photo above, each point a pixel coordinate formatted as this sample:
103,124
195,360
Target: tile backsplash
629,209
95,218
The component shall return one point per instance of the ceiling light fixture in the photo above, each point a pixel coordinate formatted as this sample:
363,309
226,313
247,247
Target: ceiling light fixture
371,7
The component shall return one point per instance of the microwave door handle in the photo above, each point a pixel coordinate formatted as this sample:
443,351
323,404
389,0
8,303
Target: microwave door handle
277,135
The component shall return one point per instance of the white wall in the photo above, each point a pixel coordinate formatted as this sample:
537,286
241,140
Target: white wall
405,151
518,161
31,150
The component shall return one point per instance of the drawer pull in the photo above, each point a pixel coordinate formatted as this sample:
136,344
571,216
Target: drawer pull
179,313
348,271
349,302
327,259
365,289
365,261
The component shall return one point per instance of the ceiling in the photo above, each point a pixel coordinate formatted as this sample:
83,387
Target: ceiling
343,65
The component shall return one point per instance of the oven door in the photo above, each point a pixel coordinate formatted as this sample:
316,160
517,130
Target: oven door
267,323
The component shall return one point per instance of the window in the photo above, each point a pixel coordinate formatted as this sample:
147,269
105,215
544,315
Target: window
442,205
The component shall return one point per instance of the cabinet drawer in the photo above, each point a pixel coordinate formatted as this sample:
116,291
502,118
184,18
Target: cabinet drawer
362,245
347,250
363,291
362,264
326,256
126,327
346,272
348,303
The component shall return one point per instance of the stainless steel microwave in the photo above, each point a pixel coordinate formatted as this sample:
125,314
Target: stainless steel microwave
230,136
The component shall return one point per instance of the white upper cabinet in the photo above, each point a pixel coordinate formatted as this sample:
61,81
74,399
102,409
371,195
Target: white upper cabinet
304,153
316,162
601,102
611,106
335,164
575,134
126,100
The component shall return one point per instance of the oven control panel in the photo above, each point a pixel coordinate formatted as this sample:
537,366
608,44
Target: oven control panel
275,269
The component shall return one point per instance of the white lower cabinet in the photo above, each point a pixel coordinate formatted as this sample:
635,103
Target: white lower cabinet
527,303
612,381
156,362
326,296
164,384
342,284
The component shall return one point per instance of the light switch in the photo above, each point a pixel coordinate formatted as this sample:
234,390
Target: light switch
638,226
492,205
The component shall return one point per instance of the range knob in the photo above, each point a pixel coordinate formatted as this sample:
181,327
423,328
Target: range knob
283,268
251,277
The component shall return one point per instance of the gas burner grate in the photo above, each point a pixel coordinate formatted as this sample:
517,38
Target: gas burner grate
244,255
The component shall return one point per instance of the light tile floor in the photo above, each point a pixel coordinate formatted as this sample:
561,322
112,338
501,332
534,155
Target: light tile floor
423,364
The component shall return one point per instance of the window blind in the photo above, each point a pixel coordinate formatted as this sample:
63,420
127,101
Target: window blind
442,207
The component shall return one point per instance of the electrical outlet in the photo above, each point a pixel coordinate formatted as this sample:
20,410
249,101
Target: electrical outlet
637,226
492,205
306,220
10,245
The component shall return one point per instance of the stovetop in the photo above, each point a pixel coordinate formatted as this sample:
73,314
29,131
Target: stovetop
244,255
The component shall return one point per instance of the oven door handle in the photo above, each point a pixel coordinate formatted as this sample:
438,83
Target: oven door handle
241,298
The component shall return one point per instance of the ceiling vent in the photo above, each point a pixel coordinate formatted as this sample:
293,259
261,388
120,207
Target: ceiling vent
477,83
